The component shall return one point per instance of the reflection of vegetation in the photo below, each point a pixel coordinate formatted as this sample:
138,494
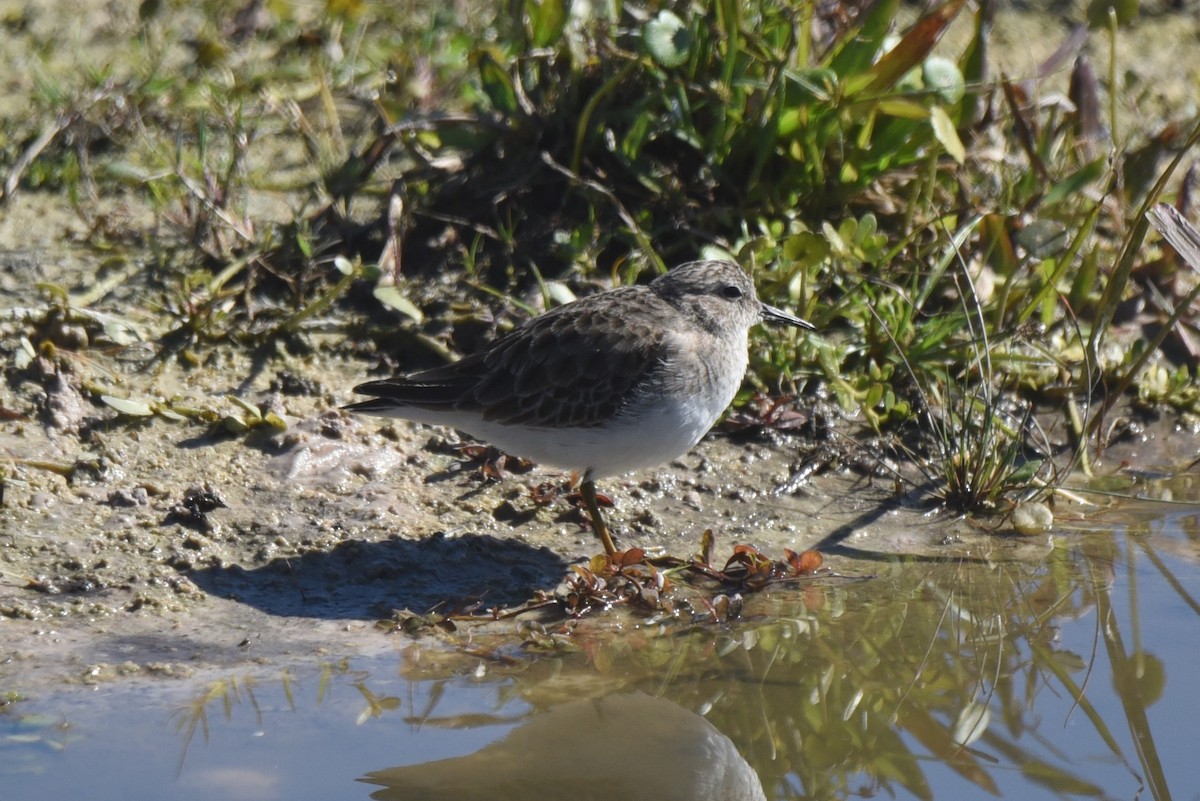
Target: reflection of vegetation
868,695
1138,676
854,688
231,692
844,689
24,736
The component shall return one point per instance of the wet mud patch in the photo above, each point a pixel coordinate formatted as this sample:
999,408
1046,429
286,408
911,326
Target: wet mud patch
133,538
147,547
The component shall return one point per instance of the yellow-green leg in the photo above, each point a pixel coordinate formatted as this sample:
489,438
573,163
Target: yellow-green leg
588,490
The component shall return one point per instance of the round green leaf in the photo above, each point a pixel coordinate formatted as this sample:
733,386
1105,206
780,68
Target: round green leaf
944,77
667,39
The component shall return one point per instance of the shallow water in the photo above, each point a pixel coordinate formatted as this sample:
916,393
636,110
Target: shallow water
1066,676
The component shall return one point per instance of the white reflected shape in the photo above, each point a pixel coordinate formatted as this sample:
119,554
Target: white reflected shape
626,747
972,723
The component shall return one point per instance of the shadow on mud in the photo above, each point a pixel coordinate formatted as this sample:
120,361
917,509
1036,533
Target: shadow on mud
368,580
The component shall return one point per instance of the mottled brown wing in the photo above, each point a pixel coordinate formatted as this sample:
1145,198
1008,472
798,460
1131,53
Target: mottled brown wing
437,388
575,365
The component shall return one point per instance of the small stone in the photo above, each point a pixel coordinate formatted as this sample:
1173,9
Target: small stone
1032,518
127,498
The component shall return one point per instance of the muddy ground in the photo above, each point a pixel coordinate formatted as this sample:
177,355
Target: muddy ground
173,546
135,546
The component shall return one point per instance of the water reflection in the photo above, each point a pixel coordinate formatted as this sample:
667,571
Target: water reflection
1066,676
930,680
624,746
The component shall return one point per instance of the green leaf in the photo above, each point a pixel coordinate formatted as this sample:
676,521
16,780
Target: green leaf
858,51
126,172
636,135
1043,238
667,39
943,129
1076,181
275,421
944,78
874,396
903,108
58,294
128,406
246,406
547,19
806,249
393,298
559,292
25,355
497,84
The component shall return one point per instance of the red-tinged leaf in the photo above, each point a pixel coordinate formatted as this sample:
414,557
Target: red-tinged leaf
998,244
804,563
7,414
779,413
1023,126
719,608
576,498
913,47
1183,201
634,556
1084,91
545,493
750,560
1071,47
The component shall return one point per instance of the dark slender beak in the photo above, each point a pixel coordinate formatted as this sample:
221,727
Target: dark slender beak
770,314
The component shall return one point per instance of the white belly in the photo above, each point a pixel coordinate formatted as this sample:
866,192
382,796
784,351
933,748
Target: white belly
661,422
645,437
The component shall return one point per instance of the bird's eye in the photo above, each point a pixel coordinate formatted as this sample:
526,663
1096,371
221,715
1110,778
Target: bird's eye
731,291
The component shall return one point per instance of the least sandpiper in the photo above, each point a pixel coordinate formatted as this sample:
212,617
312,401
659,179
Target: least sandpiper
604,385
